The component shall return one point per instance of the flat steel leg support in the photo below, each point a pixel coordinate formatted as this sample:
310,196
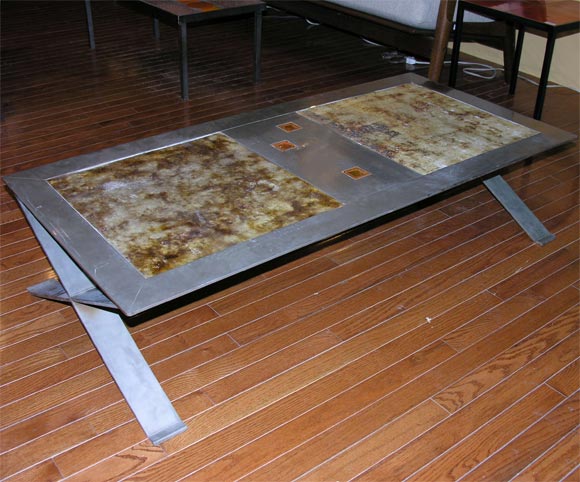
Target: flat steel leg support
518,210
116,346
131,372
183,66
257,45
90,29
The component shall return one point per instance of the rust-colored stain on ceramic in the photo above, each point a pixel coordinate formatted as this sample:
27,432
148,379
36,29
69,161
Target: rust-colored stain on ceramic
356,172
169,207
284,145
417,127
200,5
289,127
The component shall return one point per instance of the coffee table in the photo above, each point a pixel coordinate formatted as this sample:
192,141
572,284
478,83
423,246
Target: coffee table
133,227
186,12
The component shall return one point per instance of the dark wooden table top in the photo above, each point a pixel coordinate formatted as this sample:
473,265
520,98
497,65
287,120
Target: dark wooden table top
202,8
550,12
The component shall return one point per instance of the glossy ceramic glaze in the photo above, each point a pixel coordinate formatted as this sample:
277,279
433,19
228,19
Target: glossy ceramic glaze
166,208
417,127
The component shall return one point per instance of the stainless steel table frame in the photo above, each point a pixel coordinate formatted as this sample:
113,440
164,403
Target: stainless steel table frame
100,282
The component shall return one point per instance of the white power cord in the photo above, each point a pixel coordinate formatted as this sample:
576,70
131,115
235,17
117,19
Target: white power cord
472,68
488,72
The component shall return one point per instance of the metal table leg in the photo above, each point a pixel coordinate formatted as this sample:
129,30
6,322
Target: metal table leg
518,210
121,356
551,41
184,75
456,45
517,58
257,44
156,27
90,29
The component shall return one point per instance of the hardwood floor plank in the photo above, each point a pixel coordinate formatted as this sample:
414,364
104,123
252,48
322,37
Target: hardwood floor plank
191,458
573,475
467,335
24,271
419,386
568,380
45,471
236,383
508,461
69,411
43,448
31,364
468,277
529,276
46,378
350,462
556,463
37,335
122,464
491,436
405,462
20,286
466,389
291,465
271,286
99,448
38,402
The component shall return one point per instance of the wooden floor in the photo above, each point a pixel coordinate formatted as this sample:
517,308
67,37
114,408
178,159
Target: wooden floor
441,344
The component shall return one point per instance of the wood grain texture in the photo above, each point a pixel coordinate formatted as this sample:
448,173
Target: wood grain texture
437,344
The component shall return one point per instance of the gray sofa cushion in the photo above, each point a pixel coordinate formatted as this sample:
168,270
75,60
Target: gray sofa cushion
421,14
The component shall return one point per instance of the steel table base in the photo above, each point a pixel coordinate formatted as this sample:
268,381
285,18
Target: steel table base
110,336
514,205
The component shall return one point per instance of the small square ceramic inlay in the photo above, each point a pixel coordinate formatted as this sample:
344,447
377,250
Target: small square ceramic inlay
356,173
289,127
284,145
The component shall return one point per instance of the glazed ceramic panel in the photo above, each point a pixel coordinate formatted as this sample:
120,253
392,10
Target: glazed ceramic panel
419,128
169,207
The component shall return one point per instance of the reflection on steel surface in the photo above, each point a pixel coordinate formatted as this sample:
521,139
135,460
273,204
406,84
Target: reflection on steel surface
166,208
417,127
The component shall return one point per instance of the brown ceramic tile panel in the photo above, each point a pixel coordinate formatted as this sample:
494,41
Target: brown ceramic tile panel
356,172
289,127
200,5
167,208
284,145
417,127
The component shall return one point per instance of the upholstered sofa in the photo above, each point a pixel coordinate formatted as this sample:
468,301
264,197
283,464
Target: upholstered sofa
419,27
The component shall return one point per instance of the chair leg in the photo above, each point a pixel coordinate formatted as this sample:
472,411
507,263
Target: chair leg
442,34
